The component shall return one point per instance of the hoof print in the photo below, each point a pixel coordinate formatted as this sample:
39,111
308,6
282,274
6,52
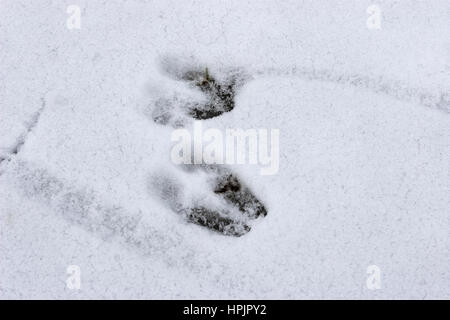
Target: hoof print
212,94
220,95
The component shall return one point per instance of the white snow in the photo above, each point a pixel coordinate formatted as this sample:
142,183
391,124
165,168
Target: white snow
364,179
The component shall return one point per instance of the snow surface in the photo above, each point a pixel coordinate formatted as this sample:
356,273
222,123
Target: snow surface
364,119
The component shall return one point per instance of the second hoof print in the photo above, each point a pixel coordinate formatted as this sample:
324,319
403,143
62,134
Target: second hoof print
233,212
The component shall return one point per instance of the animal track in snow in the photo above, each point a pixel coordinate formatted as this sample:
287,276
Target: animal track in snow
235,205
232,79
207,95
201,94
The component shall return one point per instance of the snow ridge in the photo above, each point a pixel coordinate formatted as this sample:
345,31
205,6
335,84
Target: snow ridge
439,100
20,141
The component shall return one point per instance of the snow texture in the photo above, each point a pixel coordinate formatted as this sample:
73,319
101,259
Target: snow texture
86,179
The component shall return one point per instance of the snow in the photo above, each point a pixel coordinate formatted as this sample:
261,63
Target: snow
364,179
